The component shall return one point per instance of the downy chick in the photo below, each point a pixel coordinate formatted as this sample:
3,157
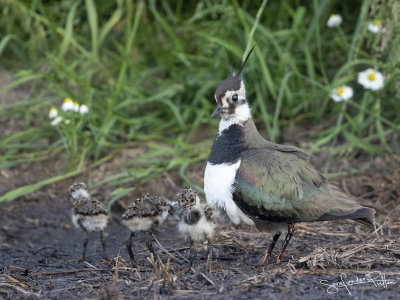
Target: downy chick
197,220
88,214
145,214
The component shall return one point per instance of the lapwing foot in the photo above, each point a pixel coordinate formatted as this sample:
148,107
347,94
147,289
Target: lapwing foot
289,235
134,264
266,259
152,251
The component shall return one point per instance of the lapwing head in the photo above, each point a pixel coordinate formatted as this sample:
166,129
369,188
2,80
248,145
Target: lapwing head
187,197
77,190
230,95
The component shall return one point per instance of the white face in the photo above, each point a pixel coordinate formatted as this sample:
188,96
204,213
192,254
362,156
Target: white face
78,194
234,108
231,101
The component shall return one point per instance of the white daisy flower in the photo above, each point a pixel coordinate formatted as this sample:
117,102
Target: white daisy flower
341,93
334,20
56,121
371,79
67,104
75,106
375,26
83,109
53,113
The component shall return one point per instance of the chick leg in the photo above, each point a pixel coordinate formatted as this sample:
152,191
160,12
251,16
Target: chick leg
267,256
85,243
130,252
210,250
289,235
149,244
210,255
103,244
192,253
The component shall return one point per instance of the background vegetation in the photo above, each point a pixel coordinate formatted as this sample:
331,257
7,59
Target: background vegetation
148,70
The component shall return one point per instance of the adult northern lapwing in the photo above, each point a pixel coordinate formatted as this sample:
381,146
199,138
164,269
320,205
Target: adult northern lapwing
255,182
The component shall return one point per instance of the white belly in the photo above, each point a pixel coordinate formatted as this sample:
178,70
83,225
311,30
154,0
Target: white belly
199,232
218,187
90,223
146,223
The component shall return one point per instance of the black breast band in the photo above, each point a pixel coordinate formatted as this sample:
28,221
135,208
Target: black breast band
228,146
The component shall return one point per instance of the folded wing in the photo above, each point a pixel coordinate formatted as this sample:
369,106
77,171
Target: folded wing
280,186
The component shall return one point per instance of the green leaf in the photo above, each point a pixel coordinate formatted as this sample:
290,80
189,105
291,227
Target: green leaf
361,143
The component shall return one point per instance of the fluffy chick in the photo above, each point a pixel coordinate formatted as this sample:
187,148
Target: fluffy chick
88,214
197,220
145,214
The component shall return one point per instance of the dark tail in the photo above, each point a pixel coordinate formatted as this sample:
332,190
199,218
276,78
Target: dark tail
368,217
364,215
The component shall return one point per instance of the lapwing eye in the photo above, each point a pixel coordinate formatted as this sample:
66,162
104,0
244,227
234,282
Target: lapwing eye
235,98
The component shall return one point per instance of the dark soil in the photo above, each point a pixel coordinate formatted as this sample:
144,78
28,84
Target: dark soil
40,249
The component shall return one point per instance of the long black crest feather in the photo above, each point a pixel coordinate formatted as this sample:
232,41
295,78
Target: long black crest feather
244,63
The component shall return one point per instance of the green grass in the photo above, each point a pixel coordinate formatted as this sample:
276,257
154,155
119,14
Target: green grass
148,71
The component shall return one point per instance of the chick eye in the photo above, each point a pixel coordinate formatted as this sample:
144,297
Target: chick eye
235,98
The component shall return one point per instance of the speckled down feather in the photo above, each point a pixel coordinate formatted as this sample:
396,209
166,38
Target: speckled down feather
197,220
146,213
89,207
146,206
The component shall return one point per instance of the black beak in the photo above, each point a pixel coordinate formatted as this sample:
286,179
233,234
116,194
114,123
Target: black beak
217,111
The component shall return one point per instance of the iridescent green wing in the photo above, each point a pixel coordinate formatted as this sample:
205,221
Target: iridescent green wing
280,186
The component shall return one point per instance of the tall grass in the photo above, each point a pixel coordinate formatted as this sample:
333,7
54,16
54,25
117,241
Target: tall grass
148,70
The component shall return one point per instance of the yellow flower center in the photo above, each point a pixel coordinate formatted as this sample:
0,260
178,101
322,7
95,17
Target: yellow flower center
340,91
67,100
371,76
53,109
332,15
377,22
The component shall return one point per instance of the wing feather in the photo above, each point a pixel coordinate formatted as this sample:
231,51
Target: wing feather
276,185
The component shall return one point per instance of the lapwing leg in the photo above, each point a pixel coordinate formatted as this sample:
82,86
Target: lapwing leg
192,253
267,256
85,243
103,244
149,244
210,254
130,252
210,249
289,235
